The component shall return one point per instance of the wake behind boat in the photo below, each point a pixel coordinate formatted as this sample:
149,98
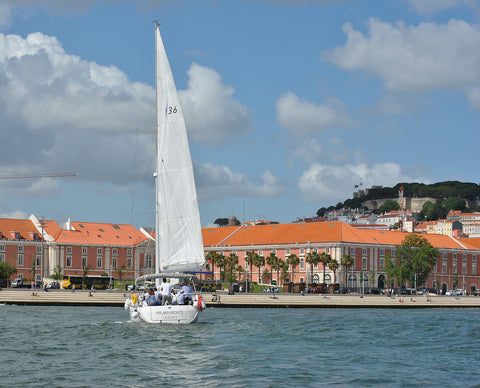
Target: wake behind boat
178,241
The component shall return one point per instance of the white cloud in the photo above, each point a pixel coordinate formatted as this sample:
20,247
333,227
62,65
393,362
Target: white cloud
214,182
329,183
211,113
303,117
421,58
18,215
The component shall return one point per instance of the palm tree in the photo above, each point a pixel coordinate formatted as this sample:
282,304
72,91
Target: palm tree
259,261
272,262
346,262
250,259
280,264
240,272
325,258
211,258
221,262
333,265
313,258
232,262
293,260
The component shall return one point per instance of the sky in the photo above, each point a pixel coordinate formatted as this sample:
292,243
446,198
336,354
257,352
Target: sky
288,104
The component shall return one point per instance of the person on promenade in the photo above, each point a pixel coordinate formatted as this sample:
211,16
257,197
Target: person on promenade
166,290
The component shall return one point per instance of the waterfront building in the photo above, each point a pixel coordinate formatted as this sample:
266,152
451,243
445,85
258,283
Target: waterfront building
37,247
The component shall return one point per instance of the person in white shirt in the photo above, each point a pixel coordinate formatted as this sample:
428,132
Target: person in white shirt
166,289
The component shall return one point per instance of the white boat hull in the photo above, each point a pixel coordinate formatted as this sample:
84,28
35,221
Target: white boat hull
184,314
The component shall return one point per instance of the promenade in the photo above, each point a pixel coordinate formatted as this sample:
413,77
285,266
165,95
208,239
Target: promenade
117,299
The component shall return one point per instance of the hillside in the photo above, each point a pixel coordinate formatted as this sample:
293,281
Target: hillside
416,194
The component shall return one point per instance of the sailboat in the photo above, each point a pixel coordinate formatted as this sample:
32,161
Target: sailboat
178,241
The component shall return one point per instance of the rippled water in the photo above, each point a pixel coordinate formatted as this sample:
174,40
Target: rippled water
98,347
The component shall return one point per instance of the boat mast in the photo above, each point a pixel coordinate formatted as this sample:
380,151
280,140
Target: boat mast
157,218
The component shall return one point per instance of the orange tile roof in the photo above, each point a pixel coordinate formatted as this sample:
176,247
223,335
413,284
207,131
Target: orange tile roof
25,227
322,232
90,233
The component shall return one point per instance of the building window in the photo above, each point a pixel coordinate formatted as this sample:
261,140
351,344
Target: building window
328,279
39,249
114,262
352,251
99,261
302,251
129,262
382,252
115,252
435,268
315,250
382,262
474,265
69,250
20,248
444,266
392,252
129,252
20,260
2,248
84,250
454,266
2,257
287,252
39,260
148,261
302,280
464,266
69,261
99,251
364,251
302,263
434,284
364,263
260,252
327,250
84,262
38,277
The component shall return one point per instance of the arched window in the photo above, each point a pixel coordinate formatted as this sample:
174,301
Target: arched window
328,279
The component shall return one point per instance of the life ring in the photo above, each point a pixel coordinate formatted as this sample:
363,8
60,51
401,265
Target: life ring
134,299
200,303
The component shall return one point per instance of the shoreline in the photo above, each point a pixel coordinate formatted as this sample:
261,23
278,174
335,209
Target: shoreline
260,300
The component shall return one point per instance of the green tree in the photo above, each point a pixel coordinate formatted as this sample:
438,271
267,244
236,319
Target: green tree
415,258
250,258
272,261
6,270
333,265
455,203
346,262
313,258
119,271
325,258
221,221
232,262
240,272
293,261
284,267
388,206
259,261
57,273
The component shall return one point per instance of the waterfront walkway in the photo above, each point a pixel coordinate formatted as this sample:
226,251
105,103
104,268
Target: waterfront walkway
117,298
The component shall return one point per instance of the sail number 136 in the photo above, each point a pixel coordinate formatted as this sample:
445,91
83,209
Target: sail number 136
171,110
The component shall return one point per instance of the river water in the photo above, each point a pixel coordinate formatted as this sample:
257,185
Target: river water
98,347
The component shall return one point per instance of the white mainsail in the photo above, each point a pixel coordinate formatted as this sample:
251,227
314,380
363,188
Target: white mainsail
179,244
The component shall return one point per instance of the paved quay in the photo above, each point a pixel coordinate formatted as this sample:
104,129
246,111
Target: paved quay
117,298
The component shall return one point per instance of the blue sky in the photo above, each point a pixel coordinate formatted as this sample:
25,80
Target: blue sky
288,104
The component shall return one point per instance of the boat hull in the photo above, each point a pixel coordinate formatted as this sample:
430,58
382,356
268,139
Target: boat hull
183,314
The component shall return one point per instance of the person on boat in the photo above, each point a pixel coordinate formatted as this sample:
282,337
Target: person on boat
166,290
150,299
187,292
